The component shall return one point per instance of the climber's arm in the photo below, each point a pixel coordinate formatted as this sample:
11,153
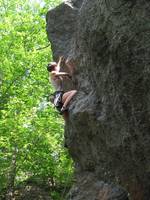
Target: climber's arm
65,74
59,63
60,74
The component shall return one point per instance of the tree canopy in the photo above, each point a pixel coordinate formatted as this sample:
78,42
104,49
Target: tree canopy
31,131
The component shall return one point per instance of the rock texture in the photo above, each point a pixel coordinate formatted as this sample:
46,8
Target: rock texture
107,132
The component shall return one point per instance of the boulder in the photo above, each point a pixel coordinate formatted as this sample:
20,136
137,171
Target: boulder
107,132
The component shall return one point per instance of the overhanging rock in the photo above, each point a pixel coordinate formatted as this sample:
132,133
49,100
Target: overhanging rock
107,132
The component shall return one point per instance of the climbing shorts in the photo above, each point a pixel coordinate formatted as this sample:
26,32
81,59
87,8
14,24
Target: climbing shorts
58,100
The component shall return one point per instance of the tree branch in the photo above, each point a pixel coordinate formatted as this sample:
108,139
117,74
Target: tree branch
41,48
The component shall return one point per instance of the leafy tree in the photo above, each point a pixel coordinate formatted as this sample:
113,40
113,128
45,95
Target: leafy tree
31,131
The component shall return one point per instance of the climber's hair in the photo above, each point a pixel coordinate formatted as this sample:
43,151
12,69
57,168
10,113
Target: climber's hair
51,66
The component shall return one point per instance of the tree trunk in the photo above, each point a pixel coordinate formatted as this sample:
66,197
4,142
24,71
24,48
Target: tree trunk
11,176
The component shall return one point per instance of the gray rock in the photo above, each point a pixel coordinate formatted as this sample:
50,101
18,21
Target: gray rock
107,132
89,187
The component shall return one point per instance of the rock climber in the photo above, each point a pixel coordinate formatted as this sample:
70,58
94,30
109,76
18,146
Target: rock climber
61,99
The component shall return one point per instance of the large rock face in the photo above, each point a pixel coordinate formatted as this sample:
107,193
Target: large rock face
107,132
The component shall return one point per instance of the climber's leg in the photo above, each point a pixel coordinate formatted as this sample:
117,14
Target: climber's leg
67,96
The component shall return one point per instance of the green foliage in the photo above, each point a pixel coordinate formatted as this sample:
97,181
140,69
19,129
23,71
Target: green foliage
30,128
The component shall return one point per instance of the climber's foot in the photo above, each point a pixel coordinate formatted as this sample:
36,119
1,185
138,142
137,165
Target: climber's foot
63,109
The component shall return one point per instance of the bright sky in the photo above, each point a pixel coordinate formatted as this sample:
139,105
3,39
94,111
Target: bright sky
41,2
